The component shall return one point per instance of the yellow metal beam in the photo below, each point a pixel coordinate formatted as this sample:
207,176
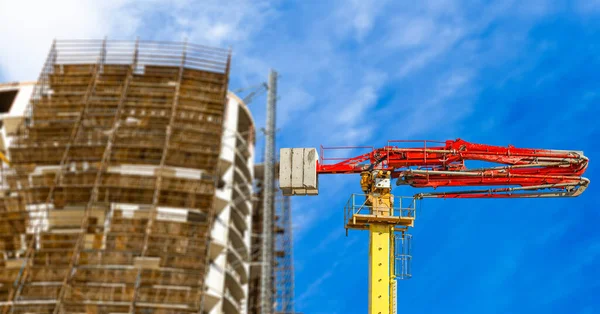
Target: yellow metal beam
379,269
3,158
393,286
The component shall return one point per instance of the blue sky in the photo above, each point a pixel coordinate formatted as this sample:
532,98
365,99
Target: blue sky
363,72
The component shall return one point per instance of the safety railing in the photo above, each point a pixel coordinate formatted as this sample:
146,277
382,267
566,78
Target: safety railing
410,145
333,155
401,206
149,53
402,255
359,213
364,155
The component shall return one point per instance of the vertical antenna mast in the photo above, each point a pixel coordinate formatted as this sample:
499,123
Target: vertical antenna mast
266,284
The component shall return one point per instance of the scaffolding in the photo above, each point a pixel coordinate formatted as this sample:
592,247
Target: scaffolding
282,274
271,286
284,260
109,202
256,248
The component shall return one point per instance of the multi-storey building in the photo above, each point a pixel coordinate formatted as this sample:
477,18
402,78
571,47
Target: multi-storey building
129,185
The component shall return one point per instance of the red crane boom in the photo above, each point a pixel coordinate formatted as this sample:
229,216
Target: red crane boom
511,171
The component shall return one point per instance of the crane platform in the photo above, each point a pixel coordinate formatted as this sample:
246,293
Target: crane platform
359,214
362,222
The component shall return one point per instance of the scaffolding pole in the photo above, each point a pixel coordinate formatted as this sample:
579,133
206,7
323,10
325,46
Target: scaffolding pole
266,284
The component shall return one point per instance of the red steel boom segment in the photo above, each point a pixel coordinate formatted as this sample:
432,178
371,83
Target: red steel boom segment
523,172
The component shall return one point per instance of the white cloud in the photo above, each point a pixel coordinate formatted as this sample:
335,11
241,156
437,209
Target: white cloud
334,235
308,212
28,27
348,118
420,34
360,16
442,7
210,22
314,287
304,218
296,99
444,39
443,108
411,31
357,107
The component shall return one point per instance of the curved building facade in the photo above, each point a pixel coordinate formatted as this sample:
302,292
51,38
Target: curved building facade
129,184
229,273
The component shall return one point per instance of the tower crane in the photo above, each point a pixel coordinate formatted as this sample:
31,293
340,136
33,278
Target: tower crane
504,172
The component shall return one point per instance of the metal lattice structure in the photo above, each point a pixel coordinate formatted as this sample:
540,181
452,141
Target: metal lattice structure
266,281
284,259
254,296
109,200
271,286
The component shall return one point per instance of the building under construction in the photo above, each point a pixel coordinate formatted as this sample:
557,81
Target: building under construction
130,184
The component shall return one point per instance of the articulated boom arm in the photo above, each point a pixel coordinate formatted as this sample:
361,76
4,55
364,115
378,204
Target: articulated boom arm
515,172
